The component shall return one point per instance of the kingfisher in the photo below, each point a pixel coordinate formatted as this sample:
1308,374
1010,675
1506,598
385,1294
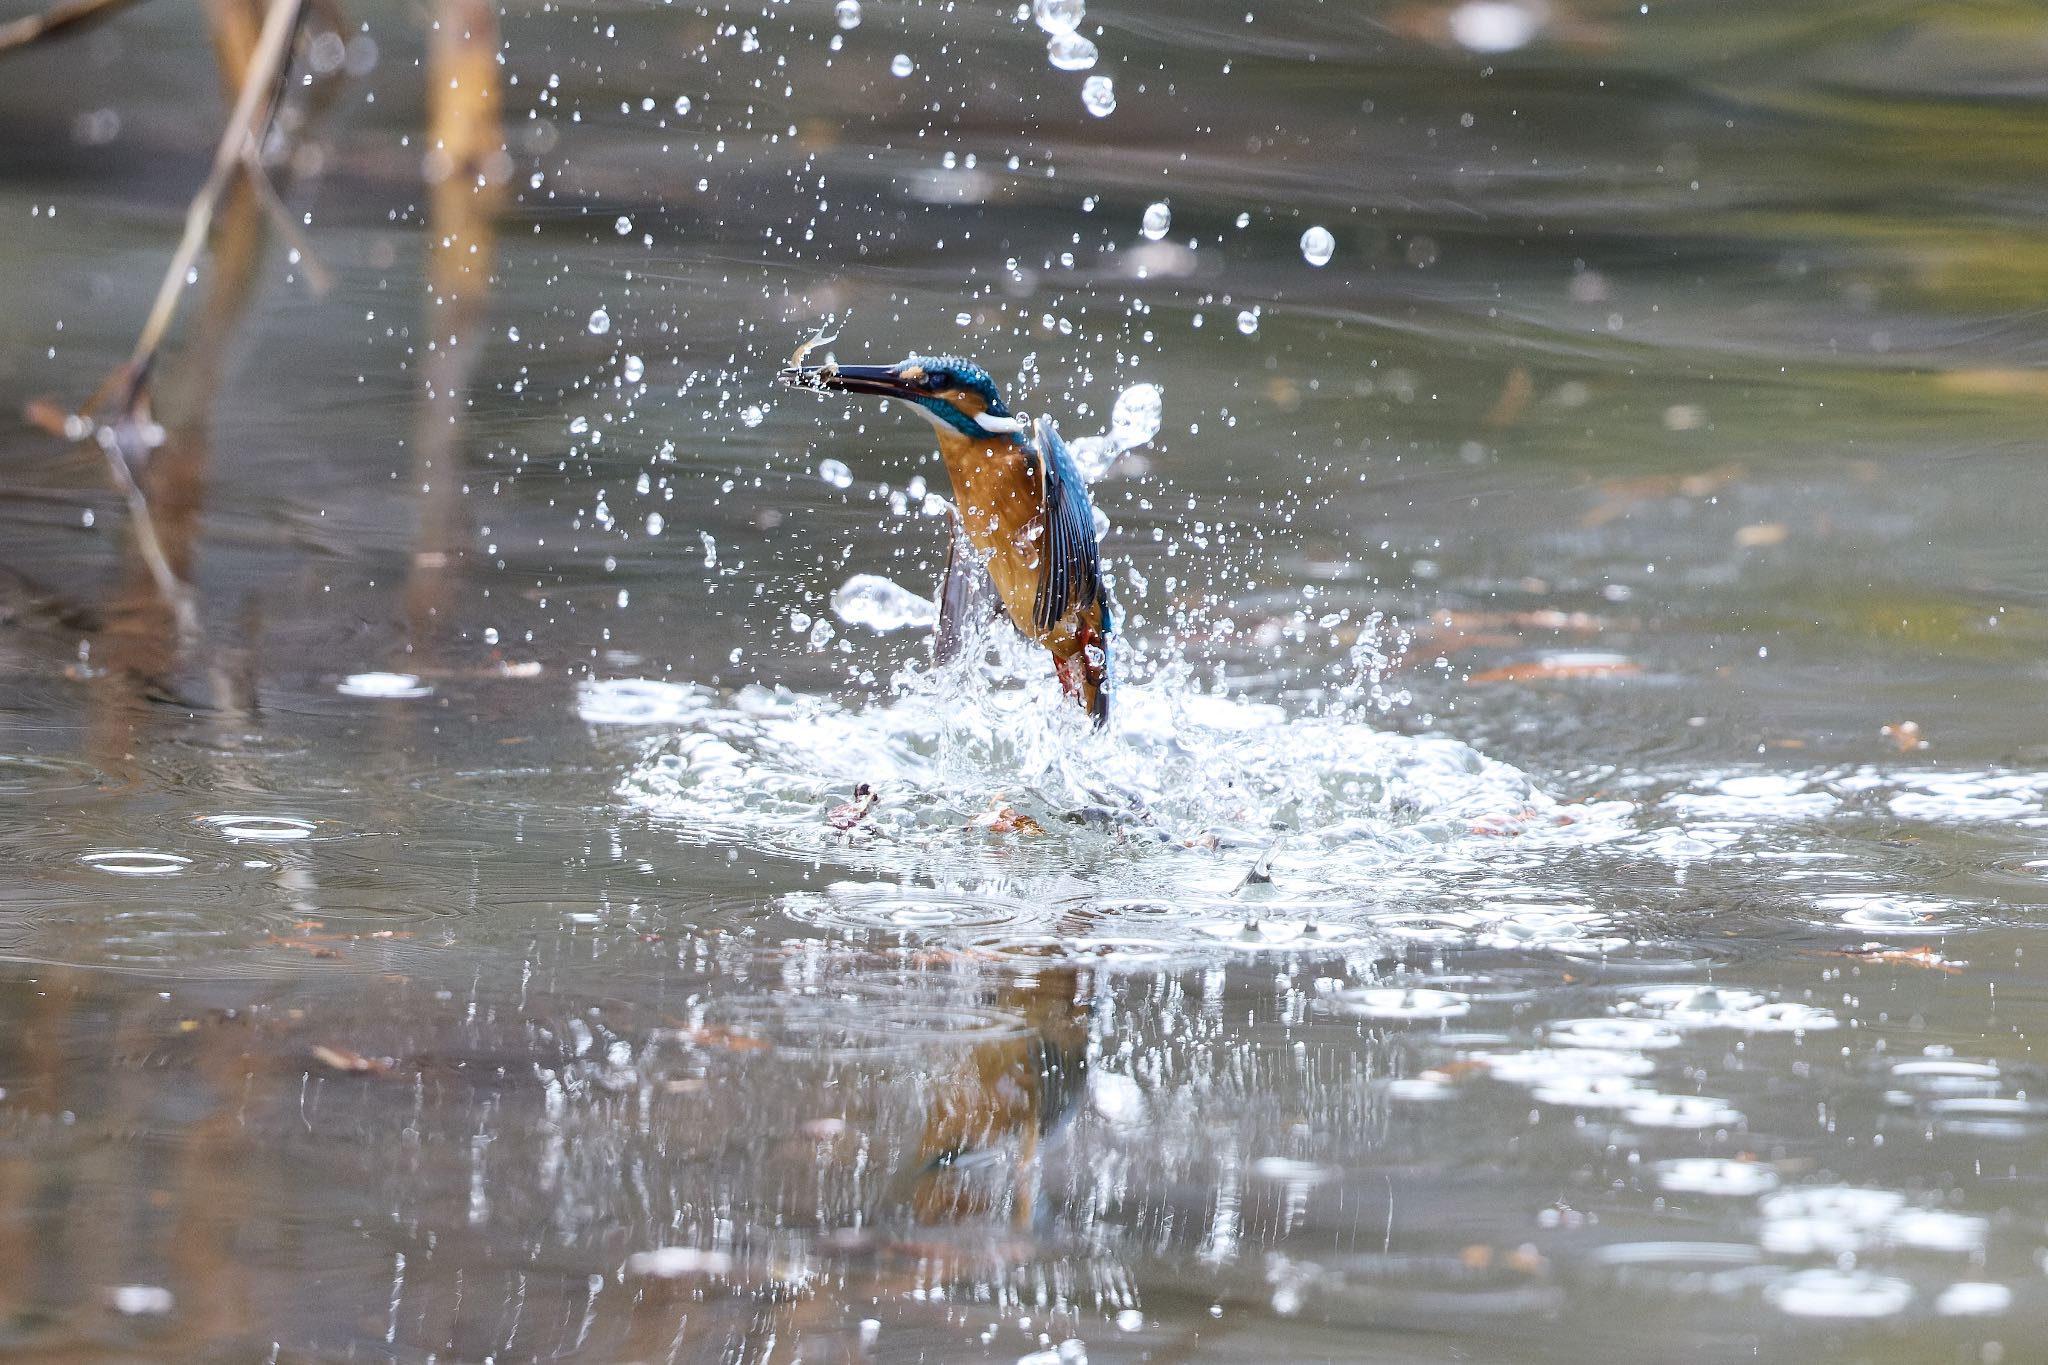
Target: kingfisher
1021,510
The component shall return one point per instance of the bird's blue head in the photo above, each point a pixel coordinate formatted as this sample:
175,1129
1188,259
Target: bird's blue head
957,395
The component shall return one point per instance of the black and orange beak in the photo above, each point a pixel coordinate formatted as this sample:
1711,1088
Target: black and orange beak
883,381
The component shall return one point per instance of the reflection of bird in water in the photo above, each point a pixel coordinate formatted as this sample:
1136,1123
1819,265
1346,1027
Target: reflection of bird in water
1009,1093
1023,511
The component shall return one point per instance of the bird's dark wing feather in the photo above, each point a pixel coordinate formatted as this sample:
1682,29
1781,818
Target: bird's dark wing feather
1072,579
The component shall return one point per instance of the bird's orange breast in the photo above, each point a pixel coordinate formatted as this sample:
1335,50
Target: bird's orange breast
996,487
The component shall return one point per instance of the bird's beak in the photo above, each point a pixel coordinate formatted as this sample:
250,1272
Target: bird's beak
881,380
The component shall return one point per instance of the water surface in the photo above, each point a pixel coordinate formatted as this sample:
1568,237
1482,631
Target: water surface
1559,884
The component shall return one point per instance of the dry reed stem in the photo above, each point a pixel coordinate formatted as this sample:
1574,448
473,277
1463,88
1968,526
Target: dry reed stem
240,142
57,20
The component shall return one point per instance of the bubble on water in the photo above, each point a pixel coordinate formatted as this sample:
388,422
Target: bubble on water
1318,246
623,225
600,322
1070,52
261,828
1613,1033
1394,1002
1716,1176
751,415
1136,417
847,14
881,604
668,1263
635,701
1682,1111
1158,218
682,104
136,862
1248,322
1059,16
1840,1294
1098,96
386,686
900,65
835,473
1494,25
141,1300
656,524
1973,1298
633,370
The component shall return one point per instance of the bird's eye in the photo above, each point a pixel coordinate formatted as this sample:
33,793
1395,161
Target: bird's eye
938,379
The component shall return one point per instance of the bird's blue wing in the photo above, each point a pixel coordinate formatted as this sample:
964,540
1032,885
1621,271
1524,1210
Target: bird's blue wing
1072,578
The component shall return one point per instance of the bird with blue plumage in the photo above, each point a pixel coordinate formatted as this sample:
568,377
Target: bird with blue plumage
1023,523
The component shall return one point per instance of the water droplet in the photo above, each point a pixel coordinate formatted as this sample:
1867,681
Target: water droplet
1248,321
1070,52
623,226
600,322
963,319
682,104
1059,16
901,65
1318,246
633,369
1244,220
655,524
1098,94
835,473
751,415
1158,218
880,604
847,13
490,635
1136,417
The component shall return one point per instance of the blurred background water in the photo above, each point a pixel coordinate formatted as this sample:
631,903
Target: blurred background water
1559,883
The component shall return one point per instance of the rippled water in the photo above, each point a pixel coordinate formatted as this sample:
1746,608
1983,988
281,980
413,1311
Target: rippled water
1559,883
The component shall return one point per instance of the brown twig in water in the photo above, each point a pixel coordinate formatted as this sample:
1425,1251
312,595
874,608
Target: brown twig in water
240,143
124,442
318,278
57,20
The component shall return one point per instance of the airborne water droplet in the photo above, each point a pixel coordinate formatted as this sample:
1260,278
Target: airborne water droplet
1136,417
1098,93
1070,52
1317,246
1059,16
847,13
682,104
600,322
835,473
901,65
1158,218
633,369
881,605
